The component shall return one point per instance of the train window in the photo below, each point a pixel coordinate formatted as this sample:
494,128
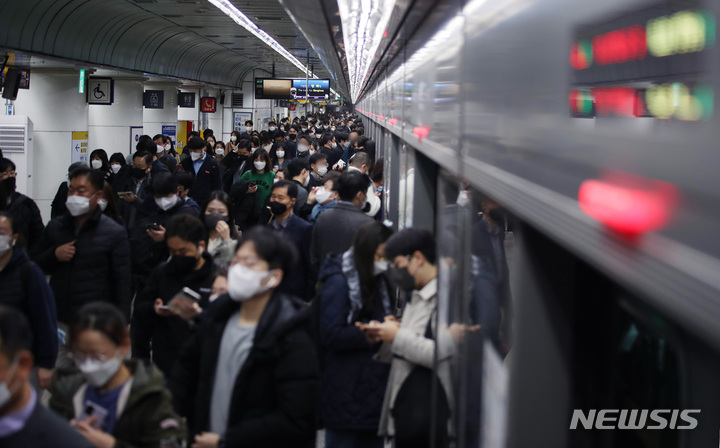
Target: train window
407,185
475,247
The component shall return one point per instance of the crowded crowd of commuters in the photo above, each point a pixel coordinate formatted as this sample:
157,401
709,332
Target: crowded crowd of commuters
232,294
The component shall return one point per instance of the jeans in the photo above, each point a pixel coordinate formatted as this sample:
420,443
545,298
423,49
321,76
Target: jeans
335,438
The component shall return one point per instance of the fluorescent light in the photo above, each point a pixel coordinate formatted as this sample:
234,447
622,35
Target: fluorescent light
364,24
241,19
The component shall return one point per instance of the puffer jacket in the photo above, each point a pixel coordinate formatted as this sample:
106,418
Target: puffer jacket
145,416
274,398
26,215
100,269
353,383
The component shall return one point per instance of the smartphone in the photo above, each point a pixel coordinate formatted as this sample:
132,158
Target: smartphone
125,193
153,226
252,184
163,307
187,294
94,410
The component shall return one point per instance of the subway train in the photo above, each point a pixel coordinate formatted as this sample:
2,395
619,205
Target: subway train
583,131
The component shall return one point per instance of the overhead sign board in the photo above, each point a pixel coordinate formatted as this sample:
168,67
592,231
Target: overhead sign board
154,99
186,99
273,89
101,91
208,104
318,88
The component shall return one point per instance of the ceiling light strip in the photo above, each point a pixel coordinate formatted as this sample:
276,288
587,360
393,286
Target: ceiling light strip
241,19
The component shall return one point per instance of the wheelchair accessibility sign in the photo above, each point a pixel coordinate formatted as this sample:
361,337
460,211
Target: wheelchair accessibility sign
101,91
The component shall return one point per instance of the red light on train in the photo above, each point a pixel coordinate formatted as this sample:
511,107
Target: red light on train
616,47
616,101
630,208
393,121
421,132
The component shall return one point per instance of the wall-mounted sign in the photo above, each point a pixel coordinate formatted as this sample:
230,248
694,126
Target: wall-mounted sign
79,147
170,130
208,104
239,120
186,99
101,91
135,133
154,99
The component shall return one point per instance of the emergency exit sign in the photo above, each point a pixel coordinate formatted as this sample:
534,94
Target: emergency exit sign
81,82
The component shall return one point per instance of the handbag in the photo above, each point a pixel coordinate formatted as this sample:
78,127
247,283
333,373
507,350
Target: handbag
413,412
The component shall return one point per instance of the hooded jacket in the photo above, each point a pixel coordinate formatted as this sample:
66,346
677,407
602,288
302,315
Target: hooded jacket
275,395
353,383
100,269
145,416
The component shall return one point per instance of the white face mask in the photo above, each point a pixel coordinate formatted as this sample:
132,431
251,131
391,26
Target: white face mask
303,148
322,170
167,203
312,151
233,138
219,151
272,128
334,145
462,199
98,373
160,148
244,283
78,205
167,147
6,243
280,154
5,394
323,196
380,267
115,167
96,164
195,156
304,129
259,165
102,203
248,129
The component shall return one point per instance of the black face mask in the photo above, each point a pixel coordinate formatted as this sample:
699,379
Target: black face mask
9,184
212,220
138,173
182,264
293,136
278,208
401,278
497,215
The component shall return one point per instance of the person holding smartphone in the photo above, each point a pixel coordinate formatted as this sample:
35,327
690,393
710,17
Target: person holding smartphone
354,290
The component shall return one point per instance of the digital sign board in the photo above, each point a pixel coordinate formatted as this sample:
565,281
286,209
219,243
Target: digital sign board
290,89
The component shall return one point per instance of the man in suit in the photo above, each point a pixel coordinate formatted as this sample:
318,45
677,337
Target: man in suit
301,279
208,177
335,229
24,421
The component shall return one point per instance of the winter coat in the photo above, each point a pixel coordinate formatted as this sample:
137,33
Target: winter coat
145,417
335,230
300,282
353,383
167,334
57,207
146,253
23,286
26,215
45,428
274,399
100,269
245,208
132,213
207,179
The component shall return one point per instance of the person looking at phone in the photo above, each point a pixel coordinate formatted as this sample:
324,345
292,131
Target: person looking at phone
250,376
207,171
156,321
24,421
132,190
260,177
113,401
85,252
220,225
354,289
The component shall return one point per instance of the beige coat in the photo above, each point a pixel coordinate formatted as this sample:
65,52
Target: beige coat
410,348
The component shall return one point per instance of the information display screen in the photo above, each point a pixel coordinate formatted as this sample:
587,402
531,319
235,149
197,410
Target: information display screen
273,89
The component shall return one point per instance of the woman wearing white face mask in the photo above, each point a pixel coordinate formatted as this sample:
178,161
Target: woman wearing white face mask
99,161
219,150
354,290
260,336
113,401
260,177
232,144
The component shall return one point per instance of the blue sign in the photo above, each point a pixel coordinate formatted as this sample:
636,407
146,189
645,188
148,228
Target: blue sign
319,88
170,131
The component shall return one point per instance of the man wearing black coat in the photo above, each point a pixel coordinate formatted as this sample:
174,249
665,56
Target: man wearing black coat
23,209
24,421
190,267
250,374
134,188
335,229
86,253
300,281
208,177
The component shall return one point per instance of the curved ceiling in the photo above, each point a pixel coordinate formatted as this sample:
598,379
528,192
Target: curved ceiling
185,39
